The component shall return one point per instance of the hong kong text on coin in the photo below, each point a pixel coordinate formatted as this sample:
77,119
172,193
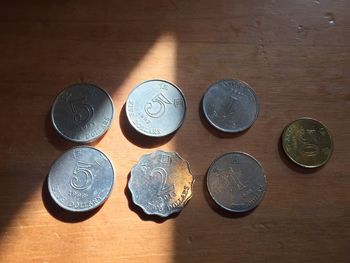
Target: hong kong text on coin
82,112
307,143
161,183
236,182
81,179
230,105
156,108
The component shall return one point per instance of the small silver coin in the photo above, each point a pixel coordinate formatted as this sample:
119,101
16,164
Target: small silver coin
161,183
156,108
82,113
230,105
81,179
236,182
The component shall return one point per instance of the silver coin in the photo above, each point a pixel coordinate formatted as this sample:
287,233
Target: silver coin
81,179
82,113
230,105
161,183
156,108
236,182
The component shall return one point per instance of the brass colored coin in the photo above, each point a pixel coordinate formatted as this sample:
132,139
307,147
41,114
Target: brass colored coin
307,142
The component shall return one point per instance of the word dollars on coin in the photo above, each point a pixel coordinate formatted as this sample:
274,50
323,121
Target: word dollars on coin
307,143
82,113
230,105
161,183
81,179
156,108
236,182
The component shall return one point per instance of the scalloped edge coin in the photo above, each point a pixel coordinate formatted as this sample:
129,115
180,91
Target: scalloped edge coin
160,203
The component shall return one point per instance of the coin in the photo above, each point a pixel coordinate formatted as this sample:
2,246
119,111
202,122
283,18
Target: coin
156,108
82,112
230,105
161,183
81,179
236,182
307,142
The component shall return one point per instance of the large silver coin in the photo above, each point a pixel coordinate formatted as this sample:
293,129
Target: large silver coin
161,183
81,179
156,108
236,182
82,112
230,105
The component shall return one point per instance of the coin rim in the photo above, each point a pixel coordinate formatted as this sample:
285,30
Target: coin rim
154,135
77,140
230,209
178,209
246,85
86,209
300,164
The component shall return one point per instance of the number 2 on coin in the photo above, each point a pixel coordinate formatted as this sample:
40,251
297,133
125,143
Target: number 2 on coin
164,186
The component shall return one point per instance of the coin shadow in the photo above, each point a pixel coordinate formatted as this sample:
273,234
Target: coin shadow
58,141
219,210
138,210
61,214
54,138
291,165
213,130
137,138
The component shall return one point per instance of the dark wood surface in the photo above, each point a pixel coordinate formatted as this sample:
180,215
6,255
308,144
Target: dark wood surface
290,52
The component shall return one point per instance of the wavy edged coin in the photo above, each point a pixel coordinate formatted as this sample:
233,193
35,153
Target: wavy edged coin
236,182
161,183
230,105
81,179
82,112
156,108
307,142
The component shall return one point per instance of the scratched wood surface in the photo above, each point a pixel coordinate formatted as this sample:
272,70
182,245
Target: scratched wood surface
296,56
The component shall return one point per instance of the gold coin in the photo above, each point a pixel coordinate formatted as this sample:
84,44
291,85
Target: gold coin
307,142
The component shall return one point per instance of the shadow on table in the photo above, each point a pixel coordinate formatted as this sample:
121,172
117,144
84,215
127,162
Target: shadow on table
61,214
235,29
137,138
60,51
138,210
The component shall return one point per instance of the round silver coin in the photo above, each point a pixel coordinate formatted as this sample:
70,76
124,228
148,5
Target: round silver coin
81,179
161,183
230,105
236,182
82,113
156,108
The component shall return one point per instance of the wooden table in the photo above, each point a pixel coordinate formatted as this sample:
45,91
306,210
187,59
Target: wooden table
295,54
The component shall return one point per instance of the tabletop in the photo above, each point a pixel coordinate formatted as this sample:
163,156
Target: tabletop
294,54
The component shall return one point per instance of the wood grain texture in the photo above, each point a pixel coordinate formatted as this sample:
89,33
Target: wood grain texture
297,62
